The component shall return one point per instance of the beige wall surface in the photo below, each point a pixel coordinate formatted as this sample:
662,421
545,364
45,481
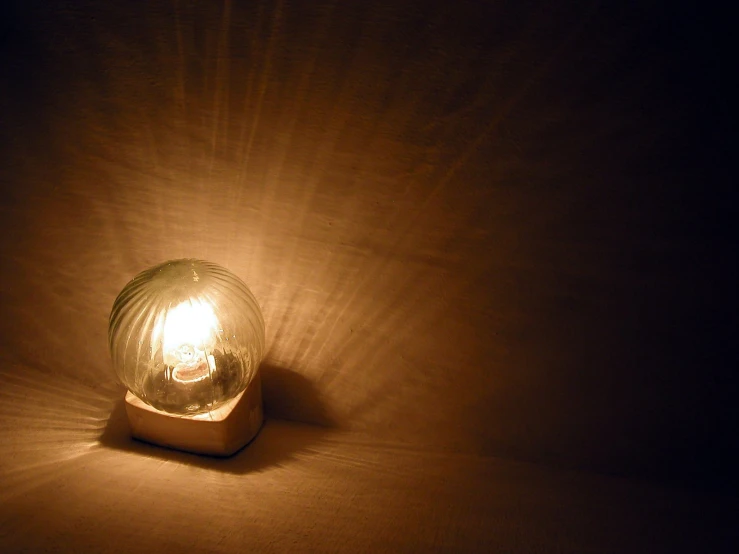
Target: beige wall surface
475,227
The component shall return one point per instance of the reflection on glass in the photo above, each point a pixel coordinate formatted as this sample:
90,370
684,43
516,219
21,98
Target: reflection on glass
186,336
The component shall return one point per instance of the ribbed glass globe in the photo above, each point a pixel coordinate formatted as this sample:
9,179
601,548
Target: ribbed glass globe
186,336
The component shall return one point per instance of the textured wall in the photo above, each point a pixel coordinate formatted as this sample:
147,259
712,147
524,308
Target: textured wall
498,228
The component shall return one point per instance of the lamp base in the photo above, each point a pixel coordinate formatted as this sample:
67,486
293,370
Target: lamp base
221,432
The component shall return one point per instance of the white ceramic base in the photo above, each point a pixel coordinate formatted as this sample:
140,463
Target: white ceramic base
221,432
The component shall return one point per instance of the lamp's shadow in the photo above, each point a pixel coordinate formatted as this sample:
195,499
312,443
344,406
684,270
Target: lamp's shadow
287,396
290,396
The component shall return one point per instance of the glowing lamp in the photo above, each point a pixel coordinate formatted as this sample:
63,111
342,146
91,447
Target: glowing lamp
186,338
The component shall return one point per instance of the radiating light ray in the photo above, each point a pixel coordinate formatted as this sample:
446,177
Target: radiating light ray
22,380
247,139
27,472
221,84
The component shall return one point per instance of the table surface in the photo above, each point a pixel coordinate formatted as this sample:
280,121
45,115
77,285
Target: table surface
71,480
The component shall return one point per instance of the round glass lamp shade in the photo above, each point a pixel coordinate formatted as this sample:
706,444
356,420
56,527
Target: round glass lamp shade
186,336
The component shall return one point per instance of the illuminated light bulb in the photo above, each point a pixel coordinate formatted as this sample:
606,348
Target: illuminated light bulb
186,338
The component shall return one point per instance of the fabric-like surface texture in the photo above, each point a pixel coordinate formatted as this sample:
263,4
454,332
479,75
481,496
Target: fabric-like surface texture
73,481
478,231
